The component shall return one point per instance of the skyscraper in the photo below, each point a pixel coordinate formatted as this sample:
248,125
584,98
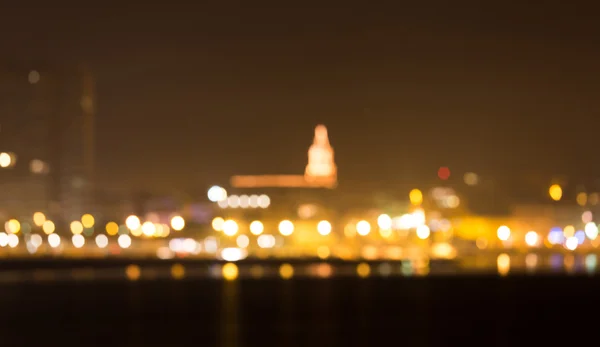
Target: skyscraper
48,123
74,145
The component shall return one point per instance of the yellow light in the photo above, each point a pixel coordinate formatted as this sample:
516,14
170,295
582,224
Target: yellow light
148,228
229,271
286,271
569,231
230,227
87,220
76,227
217,223
324,228
39,218
416,197
423,232
177,223
12,226
323,252
555,192
582,199
503,233
503,263
256,227
133,272
132,222
48,227
363,270
137,232
385,233
286,228
177,271
363,228
112,228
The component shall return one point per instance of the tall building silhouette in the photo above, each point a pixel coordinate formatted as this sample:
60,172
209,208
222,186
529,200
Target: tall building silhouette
73,145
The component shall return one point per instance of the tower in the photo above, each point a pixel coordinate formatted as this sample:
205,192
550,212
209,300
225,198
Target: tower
321,168
75,148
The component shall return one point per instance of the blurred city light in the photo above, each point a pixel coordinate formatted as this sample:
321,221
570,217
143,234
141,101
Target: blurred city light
216,194
384,221
256,227
39,218
177,223
531,238
87,220
503,233
230,227
132,222
48,227
76,227
13,226
423,232
555,192
286,227
217,223
363,228
416,197
324,227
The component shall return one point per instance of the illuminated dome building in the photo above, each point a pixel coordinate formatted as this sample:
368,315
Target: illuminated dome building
306,196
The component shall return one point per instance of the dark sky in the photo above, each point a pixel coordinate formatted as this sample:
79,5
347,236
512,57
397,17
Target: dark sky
189,94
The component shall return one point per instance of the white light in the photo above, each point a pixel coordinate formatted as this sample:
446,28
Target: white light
35,240
132,222
101,241
531,238
404,222
3,239
54,240
177,223
124,241
13,240
5,160
211,244
572,243
233,201
242,241
176,245
253,201
286,228
233,254
216,194
217,223
244,201
363,228
230,227
266,241
256,227
148,228
384,221
423,232
324,227
78,240
591,230
503,233
264,201
189,245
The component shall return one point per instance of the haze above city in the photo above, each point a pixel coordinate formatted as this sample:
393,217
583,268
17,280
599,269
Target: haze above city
188,96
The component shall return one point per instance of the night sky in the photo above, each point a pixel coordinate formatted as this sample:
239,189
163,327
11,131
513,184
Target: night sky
189,95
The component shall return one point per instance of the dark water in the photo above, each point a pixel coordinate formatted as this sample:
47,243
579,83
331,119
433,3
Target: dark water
349,311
